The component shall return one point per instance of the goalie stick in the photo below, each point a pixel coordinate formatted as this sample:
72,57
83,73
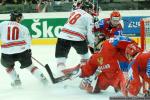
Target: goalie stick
52,78
95,78
63,78
55,80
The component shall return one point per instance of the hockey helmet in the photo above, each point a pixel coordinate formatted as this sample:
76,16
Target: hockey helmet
14,15
77,5
132,50
115,15
87,5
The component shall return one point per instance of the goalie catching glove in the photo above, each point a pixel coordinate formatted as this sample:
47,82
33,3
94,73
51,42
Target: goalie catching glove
72,73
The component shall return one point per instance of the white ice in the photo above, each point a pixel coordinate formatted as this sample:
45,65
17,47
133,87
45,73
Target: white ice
33,90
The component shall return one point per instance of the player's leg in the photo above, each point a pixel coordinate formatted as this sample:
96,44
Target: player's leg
8,62
134,87
82,49
26,62
119,82
61,53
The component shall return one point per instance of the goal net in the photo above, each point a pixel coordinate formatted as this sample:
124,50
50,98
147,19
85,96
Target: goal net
145,33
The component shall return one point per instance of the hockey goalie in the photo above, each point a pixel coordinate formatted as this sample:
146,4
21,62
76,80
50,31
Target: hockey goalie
105,67
139,70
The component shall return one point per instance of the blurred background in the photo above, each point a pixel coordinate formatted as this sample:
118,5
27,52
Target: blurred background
45,18
31,6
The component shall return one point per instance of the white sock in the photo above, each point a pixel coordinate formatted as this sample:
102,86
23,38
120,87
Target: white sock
61,63
36,72
60,66
12,73
84,58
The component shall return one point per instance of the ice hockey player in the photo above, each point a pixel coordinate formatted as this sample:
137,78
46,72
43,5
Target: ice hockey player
16,42
75,33
108,64
107,28
110,26
139,69
78,5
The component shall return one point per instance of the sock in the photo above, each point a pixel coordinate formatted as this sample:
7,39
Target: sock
36,72
61,63
60,66
12,73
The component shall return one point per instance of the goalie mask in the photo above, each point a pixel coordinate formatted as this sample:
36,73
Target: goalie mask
115,15
132,50
14,15
115,18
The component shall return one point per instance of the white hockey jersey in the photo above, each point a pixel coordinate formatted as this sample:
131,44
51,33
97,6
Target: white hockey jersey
15,37
78,27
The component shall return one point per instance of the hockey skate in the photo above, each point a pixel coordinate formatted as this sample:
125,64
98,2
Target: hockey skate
16,83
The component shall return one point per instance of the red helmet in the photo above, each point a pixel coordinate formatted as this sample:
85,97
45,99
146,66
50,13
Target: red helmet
115,15
132,49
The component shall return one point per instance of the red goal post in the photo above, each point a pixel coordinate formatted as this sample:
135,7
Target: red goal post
145,33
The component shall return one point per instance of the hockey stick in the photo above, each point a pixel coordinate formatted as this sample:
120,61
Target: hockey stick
95,78
54,80
37,61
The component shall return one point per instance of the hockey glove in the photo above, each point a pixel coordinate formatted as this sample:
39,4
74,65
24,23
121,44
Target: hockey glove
86,84
72,73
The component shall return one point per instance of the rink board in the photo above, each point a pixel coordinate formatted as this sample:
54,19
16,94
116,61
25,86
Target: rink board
52,41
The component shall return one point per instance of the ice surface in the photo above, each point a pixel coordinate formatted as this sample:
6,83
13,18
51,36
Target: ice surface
33,90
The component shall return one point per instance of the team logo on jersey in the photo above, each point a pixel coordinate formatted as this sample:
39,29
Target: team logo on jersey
100,60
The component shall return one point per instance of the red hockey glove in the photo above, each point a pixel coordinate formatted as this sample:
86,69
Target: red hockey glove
72,72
